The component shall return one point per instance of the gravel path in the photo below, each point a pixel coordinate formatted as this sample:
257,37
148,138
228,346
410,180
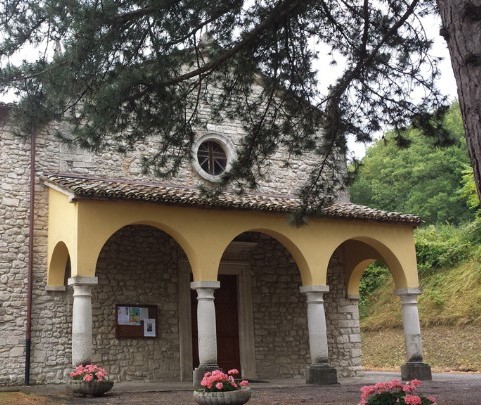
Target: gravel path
449,389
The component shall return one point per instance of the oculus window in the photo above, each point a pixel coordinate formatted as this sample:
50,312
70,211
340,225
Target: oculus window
212,156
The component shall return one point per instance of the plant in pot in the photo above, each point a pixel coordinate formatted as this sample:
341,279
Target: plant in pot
220,388
394,392
89,379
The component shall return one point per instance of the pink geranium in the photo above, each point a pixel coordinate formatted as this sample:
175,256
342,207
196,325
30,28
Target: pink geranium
394,391
218,381
89,372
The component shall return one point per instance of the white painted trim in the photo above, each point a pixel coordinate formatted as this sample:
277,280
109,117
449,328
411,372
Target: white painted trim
71,196
245,315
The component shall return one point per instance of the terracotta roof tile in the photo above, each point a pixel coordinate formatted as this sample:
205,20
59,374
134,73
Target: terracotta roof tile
129,190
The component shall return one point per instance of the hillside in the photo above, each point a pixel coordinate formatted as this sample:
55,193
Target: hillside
449,262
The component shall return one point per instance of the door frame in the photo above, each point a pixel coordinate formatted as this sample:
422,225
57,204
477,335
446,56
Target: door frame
241,269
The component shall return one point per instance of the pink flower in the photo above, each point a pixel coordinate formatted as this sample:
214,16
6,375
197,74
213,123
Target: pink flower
89,372
244,383
412,400
395,386
219,381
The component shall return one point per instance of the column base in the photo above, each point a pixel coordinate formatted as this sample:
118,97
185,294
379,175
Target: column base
321,374
415,370
199,372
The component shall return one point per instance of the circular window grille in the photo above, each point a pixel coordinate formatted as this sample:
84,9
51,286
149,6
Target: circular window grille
212,158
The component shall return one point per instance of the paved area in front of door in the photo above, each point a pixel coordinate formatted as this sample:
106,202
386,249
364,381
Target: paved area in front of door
449,389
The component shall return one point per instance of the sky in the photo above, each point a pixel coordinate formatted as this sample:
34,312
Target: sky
431,24
446,83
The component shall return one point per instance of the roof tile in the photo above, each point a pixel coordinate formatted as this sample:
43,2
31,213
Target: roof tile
129,190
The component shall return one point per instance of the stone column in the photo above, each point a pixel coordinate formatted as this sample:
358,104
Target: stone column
319,372
82,319
207,336
414,368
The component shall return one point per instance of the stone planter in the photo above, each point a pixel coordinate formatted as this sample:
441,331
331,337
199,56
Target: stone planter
92,388
238,397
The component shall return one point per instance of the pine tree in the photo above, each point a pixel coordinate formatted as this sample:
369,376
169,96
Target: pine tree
118,71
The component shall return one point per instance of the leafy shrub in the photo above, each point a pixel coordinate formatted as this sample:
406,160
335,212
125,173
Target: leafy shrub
439,246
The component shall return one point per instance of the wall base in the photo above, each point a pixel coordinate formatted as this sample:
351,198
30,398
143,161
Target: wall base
321,374
418,371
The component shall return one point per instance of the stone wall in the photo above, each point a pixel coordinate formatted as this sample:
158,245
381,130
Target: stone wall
139,264
280,315
280,312
278,179
342,318
14,191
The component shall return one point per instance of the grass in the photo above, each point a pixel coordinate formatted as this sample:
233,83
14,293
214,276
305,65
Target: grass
20,398
450,297
446,348
449,263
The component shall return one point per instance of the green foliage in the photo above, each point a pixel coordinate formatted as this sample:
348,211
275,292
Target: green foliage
374,277
423,179
448,262
441,246
468,190
120,71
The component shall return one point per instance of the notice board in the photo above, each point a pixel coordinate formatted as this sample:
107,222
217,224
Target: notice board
134,321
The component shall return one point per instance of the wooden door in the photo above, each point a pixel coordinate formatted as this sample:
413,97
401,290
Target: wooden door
227,324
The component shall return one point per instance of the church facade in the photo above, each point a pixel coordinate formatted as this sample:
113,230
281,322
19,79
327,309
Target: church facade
154,281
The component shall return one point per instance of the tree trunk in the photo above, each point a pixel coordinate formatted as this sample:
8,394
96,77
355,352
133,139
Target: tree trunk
461,29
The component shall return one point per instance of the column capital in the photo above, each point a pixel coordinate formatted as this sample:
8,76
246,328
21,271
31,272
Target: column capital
407,291
409,296
196,285
314,288
80,280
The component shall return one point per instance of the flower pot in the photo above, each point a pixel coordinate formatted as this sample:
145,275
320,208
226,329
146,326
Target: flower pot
93,388
237,397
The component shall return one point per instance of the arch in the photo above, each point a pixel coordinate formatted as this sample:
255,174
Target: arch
176,236
290,246
355,278
58,265
361,251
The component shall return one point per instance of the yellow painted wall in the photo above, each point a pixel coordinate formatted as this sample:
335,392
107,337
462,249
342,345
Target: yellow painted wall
204,234
62,237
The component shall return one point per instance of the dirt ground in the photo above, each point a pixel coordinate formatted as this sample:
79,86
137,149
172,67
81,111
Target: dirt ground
446,348
449,389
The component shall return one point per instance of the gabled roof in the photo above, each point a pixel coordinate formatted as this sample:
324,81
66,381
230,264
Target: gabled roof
90,188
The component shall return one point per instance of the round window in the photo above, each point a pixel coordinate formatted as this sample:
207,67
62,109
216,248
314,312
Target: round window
212,158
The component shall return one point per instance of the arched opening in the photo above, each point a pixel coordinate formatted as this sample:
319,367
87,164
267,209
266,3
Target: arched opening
271,311
347,266
59,267
380,315
138,266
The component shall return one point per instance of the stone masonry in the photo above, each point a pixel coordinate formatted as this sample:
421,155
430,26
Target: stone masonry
127,266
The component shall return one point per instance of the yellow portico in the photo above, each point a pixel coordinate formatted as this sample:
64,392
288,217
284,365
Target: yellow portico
84,213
